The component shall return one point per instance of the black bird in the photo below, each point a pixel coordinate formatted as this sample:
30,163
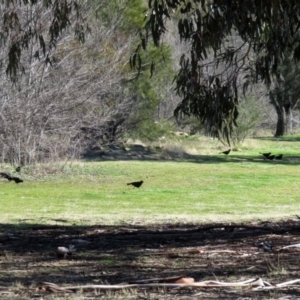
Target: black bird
6,176
271,157
279,156
136,184
17,179
18,169
226,152
266,155
267,245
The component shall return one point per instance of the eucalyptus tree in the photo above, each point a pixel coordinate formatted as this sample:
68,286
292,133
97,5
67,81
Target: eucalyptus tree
209,91
17,35
284,94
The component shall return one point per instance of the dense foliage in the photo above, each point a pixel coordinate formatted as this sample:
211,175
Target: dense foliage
267,30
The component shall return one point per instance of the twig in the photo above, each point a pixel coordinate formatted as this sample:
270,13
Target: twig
289,246
202,284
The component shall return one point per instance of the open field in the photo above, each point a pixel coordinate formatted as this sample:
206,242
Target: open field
196,188
200,214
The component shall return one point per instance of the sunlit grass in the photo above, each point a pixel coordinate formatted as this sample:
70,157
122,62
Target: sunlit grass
202,188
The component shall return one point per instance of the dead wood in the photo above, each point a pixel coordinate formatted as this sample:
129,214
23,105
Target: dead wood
150,284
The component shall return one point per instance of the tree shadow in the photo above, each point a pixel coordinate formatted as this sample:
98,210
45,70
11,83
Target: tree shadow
138,152
289,138
127,252
152,155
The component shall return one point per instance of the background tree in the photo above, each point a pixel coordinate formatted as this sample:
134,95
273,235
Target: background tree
284,94
17,35
150,92
55,108
268,30
79,95
147,92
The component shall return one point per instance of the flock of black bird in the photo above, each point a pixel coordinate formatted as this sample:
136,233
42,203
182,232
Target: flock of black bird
270,156
135,184
267,155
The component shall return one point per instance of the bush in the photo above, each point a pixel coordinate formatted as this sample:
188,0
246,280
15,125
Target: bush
151,131
251,114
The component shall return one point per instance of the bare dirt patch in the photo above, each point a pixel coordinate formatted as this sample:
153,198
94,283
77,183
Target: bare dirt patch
113,255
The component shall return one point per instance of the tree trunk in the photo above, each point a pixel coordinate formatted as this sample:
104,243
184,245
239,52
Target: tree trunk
281,127
289,117
283,112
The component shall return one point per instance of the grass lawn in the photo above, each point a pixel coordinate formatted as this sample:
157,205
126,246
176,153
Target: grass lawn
203,187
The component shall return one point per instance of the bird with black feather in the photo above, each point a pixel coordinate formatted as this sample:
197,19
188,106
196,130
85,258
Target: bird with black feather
136,184
271,157
266,154
17,179
225,152
6,176
11,178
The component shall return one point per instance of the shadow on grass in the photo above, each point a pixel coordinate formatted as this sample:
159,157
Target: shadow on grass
144,153
213,159
114,254
235,158
289,138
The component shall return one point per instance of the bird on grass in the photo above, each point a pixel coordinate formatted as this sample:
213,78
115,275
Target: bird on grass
136,184
271,157
266,155
18,169
17,179
6,176
226,152
279,156
10,178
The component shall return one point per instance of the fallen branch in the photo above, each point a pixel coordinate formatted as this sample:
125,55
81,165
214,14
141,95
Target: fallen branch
290,246
256,284
287,283
210,283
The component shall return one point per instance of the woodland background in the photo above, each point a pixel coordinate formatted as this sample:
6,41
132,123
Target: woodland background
83,96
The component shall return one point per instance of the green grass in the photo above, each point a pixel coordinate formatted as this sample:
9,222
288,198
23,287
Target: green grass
203,188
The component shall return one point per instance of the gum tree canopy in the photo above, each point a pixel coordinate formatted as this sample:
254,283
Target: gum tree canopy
16,35
248,37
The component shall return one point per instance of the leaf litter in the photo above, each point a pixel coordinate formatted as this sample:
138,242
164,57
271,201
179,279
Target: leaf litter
254,260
